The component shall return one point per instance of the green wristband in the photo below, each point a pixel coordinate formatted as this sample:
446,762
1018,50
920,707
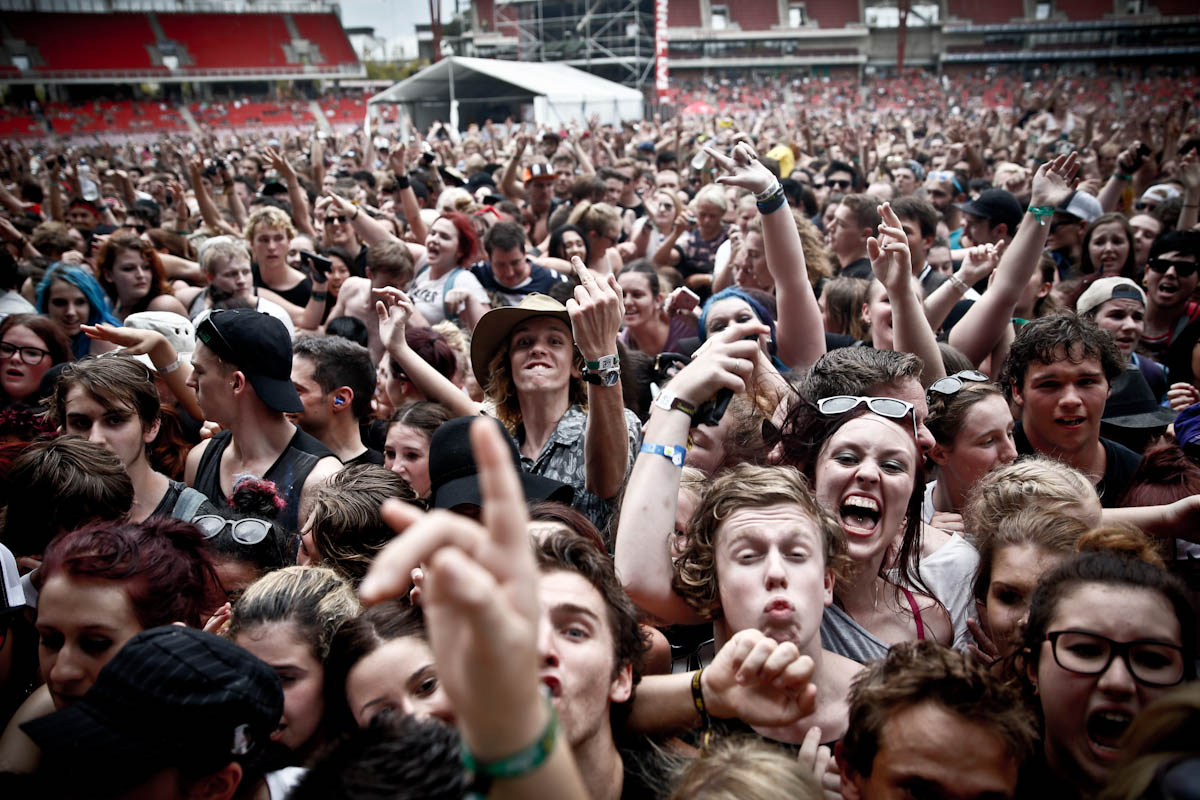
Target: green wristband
523,761
1122,177
1042,213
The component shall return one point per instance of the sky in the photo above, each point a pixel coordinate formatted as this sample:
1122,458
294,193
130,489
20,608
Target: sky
392,19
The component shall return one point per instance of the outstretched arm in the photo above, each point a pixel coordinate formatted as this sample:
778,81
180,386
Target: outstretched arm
801,333
891,262
977,333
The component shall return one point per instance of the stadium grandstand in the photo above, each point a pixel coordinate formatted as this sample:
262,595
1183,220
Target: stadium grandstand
104,67
840,38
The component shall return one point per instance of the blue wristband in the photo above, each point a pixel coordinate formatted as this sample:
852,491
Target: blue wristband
672,452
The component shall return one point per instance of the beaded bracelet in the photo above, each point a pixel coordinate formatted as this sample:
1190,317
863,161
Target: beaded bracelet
1042,213
672,452
523,761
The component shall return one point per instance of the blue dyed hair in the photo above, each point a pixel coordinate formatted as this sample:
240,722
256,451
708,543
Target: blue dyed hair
760,311
84,282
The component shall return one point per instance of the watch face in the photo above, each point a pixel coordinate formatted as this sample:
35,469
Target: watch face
611,378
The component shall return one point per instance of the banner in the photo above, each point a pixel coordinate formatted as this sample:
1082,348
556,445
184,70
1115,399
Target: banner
661,83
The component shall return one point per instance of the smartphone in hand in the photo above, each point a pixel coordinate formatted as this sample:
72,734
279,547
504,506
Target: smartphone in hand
317,265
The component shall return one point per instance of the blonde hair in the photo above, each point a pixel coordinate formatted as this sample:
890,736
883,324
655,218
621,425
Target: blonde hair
316,600
594,217
269,217
220,250
745,768
714,194
1050,484
459,343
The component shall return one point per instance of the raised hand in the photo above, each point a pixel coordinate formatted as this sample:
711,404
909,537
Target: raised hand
742,168
981,261
1052,183
279,163
394,308
889,254
136,342
596,310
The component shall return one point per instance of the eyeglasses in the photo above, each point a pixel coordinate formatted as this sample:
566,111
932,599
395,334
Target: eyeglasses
1150,661
840,183
889,407
954,383
338,220
249,531
1184,269
30,355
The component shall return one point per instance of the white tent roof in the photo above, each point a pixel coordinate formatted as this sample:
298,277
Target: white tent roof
566,93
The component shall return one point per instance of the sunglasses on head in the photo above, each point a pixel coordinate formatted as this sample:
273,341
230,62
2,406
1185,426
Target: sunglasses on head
248,531
889,407
1184,269
952,384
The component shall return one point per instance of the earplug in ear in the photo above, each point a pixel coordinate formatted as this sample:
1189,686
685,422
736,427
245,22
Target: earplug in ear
338,401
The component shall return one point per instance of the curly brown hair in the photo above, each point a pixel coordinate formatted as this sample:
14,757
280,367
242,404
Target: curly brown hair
746,486
502,391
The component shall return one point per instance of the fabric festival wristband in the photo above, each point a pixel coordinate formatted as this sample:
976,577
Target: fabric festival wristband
522,762
1122,177
320,297
767,193
701,709
772,203
672,452
1042,213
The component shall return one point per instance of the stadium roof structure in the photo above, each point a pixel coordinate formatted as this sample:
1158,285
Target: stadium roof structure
477,89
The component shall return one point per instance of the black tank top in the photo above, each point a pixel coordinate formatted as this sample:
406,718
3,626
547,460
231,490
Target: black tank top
297,295
288,473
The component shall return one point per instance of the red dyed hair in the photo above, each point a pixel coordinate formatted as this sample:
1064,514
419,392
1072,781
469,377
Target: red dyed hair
107,258
468,242
162,564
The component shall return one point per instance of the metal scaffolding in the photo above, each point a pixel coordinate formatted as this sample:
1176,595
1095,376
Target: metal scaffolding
612,38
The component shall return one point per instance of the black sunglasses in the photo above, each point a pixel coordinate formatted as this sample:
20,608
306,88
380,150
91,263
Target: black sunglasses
840,183
1142,205
1184,269
338,220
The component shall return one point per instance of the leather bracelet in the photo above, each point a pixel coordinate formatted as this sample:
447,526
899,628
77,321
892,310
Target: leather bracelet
773,203
523,761
701,709
403,181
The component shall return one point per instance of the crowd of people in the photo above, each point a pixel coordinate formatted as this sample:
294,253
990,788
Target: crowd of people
841,449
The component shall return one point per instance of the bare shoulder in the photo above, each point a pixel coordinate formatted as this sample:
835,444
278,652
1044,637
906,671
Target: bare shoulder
193,462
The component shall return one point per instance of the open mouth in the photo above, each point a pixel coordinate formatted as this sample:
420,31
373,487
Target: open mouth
1105,730
859,515
553,684
1070,423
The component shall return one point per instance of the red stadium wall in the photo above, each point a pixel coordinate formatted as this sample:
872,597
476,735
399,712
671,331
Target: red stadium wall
752,15
832,13
986,12
684,14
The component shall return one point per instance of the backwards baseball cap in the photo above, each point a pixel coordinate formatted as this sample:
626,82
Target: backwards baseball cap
996,206
538,172
260,347
1082,205
172,696
1105,289
454,475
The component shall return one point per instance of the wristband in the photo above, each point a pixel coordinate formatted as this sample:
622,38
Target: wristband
958,283
605,362
320,297
1122,177
766,194
356,210
403,182
701,709
523,761
772,204
1042,213
169,368
672,452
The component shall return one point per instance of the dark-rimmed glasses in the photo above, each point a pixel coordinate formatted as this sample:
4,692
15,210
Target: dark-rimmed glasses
248,531
30,355
1149,661
1184,269
954,383
890,407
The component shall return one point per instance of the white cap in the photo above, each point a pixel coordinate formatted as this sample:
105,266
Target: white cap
1105,289
10,581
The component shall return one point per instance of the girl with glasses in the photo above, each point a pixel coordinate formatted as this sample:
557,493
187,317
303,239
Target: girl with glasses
1106,636
29,346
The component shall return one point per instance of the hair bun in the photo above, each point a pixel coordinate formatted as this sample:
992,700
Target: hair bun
256,496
